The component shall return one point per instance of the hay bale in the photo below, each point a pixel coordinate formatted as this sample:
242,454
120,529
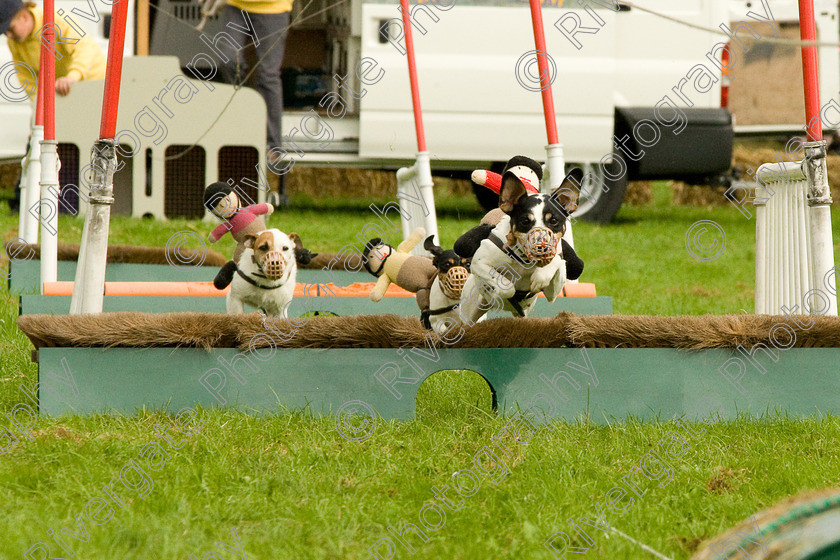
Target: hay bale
330,182
9,175
704,196
638,193
752,158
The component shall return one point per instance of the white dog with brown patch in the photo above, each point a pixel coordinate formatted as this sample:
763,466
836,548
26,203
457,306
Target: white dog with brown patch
265,274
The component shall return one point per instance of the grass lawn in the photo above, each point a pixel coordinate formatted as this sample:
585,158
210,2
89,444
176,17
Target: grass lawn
290,486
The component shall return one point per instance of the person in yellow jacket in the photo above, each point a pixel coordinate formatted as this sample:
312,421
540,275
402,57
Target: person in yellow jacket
77,58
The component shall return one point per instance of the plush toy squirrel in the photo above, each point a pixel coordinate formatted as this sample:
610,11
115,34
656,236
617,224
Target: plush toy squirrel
407,271
221,200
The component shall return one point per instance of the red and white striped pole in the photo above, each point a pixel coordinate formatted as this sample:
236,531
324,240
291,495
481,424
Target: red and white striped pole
418,175
49,152
555,161
810,71
89,288
545,76
412,77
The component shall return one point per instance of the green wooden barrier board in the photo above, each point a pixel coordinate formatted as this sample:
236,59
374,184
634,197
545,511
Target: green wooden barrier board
59,305
25,276
604,384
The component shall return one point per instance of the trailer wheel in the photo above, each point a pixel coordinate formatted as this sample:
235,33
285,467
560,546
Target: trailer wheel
594,205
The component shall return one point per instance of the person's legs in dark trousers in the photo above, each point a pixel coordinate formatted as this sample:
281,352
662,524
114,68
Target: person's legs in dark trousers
271,31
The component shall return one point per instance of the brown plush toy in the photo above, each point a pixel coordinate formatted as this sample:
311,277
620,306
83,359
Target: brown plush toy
407,271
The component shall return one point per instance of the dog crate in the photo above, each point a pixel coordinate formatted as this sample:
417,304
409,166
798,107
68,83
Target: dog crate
213,136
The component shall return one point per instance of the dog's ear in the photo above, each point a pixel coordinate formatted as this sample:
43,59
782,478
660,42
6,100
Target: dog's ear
296,240
511,191
429,245
567,193
250,239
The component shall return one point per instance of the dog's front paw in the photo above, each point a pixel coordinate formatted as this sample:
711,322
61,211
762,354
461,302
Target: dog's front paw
541,278
506,293
225,276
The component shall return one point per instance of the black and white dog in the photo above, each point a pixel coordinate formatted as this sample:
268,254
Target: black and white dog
445,290
265,274
524,253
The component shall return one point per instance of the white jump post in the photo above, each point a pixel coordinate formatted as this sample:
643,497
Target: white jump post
794,249
89,288
31,168
49,155
418,175
555,163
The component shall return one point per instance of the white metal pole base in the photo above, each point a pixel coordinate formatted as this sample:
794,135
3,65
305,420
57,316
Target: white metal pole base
89,288
30,187
417,200
553,174
48,211
819,202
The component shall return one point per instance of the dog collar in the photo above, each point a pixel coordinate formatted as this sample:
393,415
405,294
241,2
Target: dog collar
427,313
254,282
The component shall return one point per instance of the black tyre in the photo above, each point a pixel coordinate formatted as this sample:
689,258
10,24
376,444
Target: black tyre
601,198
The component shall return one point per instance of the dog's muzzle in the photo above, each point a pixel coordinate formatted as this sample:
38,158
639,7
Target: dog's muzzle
453,282
541,245
273,265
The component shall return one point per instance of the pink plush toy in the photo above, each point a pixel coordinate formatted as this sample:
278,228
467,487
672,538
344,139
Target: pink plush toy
224,203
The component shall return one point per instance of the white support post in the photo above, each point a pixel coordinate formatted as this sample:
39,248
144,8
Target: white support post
819,203
48,211
29,186
411,181
553,175
89,288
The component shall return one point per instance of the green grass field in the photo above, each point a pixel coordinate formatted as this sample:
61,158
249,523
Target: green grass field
290,486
